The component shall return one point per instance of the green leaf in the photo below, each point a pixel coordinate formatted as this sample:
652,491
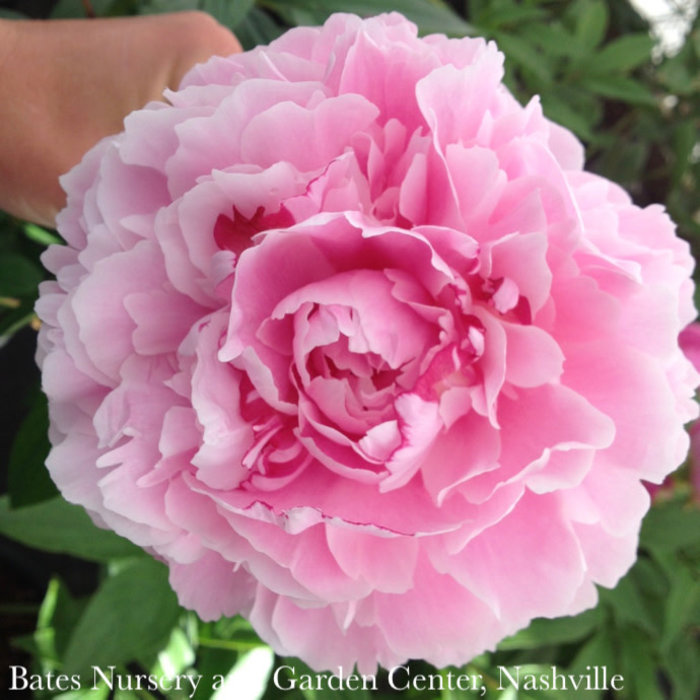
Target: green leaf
76,8
523,53
562,630
229,12
16,319
154,7
670,527
677,75
509,14
651,580
638,665
597,651
583,102
682,605
628,605
591,22
623,54
561,112
624,162
554,39
680,662
685,136
57,617
257,29
176,657
210,663
40,235
19,277
431,16
57,526
617,87
235,629
132,614
28,480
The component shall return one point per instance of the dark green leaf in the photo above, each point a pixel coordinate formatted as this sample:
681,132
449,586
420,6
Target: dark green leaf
561,112
296,16
229,12
117,8
523,53
58,616
638,665
624,162
28,480
510,14
26,643
19,277
678,76
628,605
583,102
64,9
591,22
623,54
670,527
132,614
257,28
154,7
554,40
682,605
562,630
58,526
597,651
620,88
650,578
236,629
685,136
16,319
431,16
680,662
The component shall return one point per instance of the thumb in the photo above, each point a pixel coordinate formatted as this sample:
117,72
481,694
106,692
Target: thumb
61,73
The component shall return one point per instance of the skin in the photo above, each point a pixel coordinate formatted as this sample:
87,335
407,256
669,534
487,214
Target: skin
65,84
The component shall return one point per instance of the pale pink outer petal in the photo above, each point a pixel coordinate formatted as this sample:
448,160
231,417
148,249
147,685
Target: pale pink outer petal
234,592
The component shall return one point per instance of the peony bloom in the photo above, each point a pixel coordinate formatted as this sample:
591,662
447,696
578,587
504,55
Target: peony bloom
347,337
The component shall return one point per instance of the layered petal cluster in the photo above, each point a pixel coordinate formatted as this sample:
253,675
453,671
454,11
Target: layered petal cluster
347,337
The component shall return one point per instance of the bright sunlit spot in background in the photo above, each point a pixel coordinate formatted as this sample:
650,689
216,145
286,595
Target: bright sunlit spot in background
670,20
248,678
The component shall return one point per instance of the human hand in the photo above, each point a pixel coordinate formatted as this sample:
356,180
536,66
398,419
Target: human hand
65,84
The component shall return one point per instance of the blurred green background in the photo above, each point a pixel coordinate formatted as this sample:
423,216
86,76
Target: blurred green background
74,596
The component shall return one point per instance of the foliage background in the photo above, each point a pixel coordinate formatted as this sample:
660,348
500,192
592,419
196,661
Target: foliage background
74,596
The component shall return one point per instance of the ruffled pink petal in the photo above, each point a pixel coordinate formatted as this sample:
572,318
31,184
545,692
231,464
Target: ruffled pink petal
235,588
470,447
526,541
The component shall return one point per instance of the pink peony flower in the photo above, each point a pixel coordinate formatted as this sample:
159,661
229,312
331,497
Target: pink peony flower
347,337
